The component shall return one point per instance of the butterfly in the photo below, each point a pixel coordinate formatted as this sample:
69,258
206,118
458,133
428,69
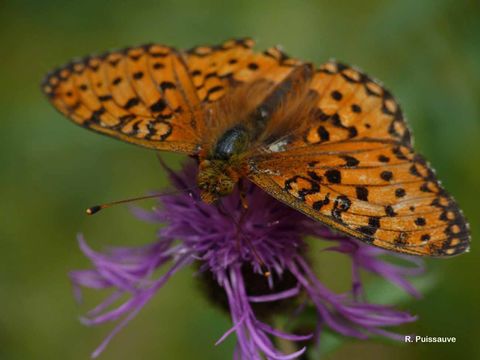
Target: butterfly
328,141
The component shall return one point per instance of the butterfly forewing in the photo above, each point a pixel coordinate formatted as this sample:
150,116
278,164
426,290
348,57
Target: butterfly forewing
156,96
215,70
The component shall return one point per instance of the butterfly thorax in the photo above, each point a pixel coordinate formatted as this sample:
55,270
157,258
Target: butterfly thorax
223,166
225,163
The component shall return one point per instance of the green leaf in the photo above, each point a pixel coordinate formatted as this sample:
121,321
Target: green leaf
380,291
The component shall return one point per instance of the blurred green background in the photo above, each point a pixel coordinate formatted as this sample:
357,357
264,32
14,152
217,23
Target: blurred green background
427,52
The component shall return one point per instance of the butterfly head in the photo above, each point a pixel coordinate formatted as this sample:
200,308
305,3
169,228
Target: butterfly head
216,178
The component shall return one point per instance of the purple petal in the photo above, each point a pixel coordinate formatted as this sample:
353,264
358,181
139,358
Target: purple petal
275,297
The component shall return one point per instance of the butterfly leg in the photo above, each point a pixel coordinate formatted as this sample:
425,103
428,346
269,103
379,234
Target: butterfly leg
243,214
243,199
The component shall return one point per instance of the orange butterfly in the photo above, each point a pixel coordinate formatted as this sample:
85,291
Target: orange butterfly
328,141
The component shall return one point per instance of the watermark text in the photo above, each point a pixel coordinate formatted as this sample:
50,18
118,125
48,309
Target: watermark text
429,339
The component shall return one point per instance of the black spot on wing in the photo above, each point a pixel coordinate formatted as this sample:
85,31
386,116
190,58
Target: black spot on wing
386,175
131,103
401,239
165,85
389,211
138,75
400,192
314,187
323,133
362,193
383,158
317,205
356,108
314,176
158,106
420,221
333,176
341,204
350,161
372,227
336,95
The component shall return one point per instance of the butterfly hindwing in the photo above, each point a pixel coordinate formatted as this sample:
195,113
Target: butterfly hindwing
397,205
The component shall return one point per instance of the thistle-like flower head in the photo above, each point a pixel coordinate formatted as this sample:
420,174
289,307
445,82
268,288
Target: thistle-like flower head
253,259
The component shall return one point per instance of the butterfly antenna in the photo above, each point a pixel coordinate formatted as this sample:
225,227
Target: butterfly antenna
175,177
96,208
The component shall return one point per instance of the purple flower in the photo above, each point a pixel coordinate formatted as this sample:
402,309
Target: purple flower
234,249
